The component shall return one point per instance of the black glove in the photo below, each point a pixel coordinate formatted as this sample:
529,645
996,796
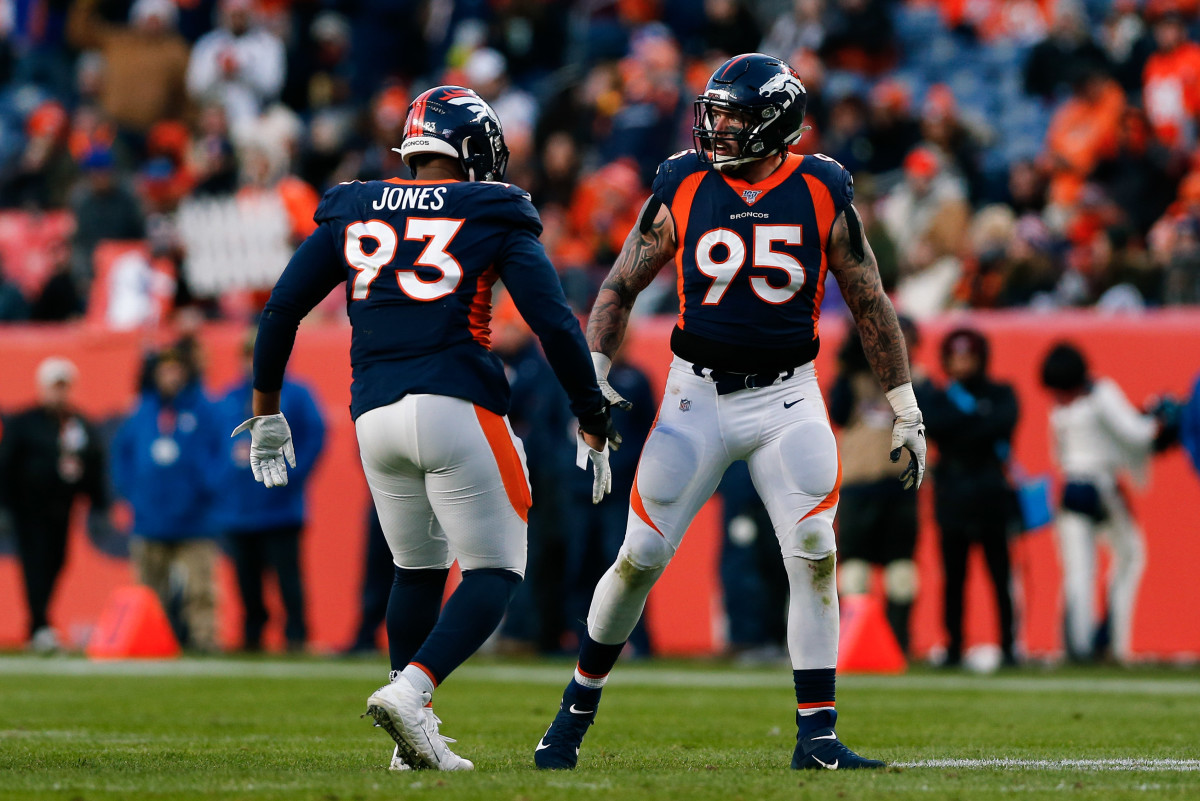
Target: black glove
1169,413
600,424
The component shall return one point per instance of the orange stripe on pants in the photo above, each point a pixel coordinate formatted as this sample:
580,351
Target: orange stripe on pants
832,497
508,460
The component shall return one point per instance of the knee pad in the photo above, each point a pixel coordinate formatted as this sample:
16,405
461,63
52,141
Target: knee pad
504,580
817,572
666,465
644,550
854,577
811,538
808,452
900,581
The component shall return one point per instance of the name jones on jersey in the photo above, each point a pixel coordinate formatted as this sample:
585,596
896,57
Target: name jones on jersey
425,198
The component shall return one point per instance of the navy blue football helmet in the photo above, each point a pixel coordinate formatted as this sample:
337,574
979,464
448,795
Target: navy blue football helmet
455,121
766,93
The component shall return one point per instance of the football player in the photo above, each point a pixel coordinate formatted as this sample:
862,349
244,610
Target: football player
418,259
751,230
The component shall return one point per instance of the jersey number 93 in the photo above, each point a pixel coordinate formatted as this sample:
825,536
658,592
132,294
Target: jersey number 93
437,233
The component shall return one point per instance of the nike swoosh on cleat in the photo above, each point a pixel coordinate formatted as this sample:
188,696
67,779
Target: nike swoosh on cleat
787,405
542,744
575,711
829,765
830,736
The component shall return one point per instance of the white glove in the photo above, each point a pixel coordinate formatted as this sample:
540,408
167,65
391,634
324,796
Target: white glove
270,444
908,432
603,364
602,483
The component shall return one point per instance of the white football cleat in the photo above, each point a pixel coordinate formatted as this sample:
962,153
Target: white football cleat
399,708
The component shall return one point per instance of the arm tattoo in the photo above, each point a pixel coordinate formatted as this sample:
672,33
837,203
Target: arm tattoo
882,339
642,256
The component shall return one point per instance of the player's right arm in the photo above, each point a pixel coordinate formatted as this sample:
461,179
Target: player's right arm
853,263
649,245
313,272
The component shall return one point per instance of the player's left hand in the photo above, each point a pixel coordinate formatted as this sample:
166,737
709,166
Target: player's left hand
602,472
270,446
909,434
612,396
600,424
602,365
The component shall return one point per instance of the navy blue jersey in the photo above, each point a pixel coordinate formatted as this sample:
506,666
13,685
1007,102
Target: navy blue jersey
751,258
418,260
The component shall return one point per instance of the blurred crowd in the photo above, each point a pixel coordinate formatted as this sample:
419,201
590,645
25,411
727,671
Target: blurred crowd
1034,153
185,496
1015,153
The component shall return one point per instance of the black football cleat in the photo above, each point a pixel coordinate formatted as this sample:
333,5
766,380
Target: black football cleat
822,750
559,747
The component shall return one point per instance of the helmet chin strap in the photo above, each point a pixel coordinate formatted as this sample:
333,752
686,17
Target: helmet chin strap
466,154
732,164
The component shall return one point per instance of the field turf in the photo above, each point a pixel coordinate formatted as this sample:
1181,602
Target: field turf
290,729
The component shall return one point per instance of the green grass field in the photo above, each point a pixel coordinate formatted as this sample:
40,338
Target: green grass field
290,729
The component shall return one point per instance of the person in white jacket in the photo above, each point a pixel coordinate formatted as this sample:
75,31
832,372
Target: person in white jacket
1098,437
238,64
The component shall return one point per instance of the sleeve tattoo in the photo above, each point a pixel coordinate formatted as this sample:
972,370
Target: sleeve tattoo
642,256
858,276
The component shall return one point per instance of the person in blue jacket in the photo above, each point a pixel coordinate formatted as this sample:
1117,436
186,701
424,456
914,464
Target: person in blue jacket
262,528
164,457
1190,425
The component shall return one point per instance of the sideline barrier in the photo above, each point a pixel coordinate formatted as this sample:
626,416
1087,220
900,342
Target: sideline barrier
1146,354
133,625
866,643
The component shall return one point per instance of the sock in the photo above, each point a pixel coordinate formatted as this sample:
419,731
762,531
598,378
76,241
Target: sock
419,677
814,699
468,619
412,611
596,661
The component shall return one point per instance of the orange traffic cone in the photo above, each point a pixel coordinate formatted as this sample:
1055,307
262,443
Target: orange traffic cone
866,643
132,625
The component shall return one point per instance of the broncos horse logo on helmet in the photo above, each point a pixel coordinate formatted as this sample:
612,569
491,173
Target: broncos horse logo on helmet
765,92
455,121
782,82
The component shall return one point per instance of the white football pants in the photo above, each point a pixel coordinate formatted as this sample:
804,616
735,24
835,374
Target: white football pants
449,482
782,432
1077,540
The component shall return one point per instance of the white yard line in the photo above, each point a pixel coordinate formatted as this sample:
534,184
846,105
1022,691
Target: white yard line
634,675
1183,765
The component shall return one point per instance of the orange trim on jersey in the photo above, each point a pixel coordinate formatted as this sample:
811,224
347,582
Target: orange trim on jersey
479,318
832,497
681,208
816,705
825,214
822,207
790,164
508,460
426,671
415,182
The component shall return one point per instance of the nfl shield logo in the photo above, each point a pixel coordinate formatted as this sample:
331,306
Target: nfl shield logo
684,405
750,195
